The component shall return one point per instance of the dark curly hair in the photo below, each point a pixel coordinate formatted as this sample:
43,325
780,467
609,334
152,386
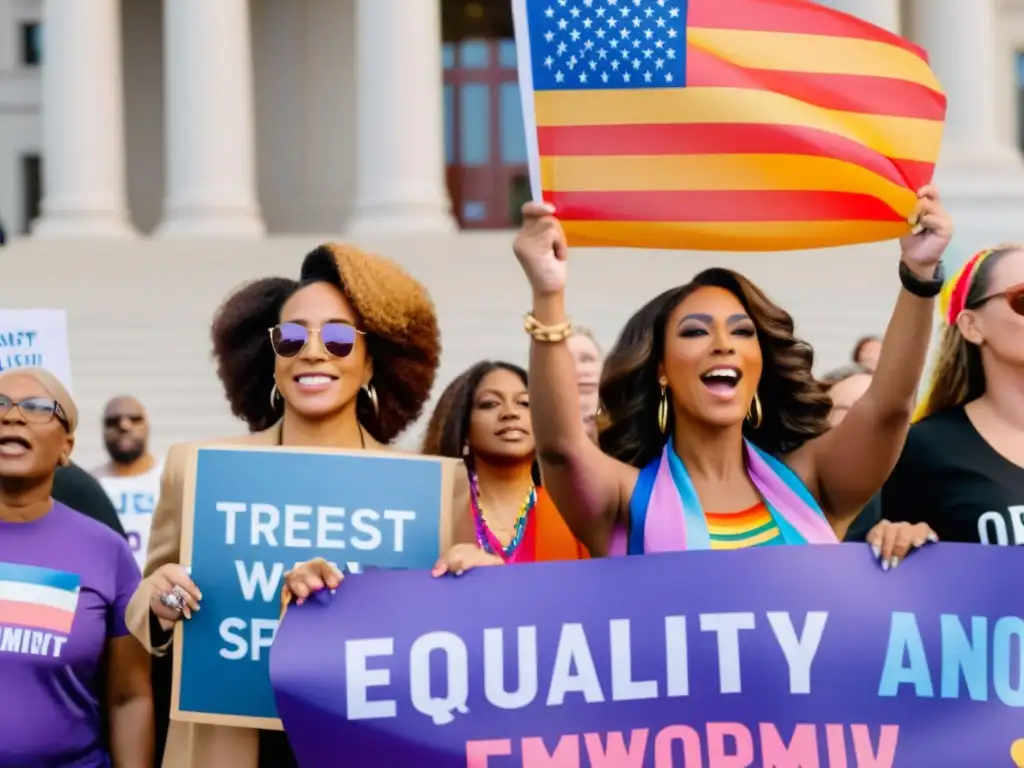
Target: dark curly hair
448,428
395,310
795,406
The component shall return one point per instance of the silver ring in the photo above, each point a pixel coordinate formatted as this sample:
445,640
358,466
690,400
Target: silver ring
173,601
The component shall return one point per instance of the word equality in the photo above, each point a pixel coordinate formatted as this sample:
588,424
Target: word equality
966,653
320,527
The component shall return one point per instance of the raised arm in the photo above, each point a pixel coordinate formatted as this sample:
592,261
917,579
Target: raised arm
851,462
588,487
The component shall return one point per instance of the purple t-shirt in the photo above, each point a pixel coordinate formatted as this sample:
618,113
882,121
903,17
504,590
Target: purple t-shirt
65,582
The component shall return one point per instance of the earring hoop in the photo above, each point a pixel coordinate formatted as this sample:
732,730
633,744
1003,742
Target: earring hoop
274,395
754,414
663,410
371,392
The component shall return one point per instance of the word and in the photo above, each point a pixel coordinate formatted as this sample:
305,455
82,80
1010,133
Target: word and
31,642
321,527
725,745
573,672
968,659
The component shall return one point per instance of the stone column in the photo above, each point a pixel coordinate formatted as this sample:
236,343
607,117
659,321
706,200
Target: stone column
211,132
881,13
83,121
400,184
962,42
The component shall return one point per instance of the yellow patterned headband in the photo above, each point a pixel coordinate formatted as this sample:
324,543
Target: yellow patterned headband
953,301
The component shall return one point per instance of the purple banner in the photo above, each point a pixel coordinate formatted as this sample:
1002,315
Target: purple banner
782,657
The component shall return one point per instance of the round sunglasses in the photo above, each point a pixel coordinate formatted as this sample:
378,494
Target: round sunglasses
289,339
1014,296
36,410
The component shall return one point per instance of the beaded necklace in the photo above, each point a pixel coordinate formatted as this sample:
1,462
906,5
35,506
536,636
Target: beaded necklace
485,536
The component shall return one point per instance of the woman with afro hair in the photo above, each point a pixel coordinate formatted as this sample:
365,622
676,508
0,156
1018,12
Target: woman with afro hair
350,360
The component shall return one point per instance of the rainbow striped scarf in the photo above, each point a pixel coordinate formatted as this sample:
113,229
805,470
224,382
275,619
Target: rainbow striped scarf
666,516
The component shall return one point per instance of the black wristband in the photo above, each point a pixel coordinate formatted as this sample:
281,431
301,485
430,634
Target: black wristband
926,289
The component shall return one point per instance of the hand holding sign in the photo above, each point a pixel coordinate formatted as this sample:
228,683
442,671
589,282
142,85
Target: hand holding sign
173,595
309,577
463,557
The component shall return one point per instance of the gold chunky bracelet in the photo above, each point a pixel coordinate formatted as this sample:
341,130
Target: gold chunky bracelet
548,334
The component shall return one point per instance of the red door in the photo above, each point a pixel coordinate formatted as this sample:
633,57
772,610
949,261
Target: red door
485,148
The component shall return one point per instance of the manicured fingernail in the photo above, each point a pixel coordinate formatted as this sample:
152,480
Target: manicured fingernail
933,538
919,543
876,551
917,230
894,562
885,565
458,573
300,601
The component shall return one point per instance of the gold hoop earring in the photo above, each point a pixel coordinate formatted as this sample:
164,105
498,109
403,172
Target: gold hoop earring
371,392
754,413
663,410
274,396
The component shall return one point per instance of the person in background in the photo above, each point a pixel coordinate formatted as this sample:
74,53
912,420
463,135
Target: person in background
344,358
80,696
132,475
718,434
846,386
866,352
131,479
483,418
586,358
962,469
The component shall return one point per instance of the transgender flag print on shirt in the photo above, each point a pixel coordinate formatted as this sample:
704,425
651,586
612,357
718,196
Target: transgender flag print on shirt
38,598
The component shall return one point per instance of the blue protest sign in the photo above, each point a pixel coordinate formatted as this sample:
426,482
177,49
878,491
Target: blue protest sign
256,513
781,657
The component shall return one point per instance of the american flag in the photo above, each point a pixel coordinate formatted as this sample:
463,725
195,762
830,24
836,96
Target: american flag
724,124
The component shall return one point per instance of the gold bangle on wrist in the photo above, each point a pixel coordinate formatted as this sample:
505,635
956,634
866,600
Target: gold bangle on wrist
547,334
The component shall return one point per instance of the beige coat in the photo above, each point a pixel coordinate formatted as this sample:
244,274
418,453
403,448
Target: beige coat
194,745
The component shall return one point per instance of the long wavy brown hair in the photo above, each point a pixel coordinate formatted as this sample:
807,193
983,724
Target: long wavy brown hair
958,376
794,404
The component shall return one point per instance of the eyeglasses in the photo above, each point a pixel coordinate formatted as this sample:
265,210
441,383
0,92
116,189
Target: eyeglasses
1014,296
36,410
289,339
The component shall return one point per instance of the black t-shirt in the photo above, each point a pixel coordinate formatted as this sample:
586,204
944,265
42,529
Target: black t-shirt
866,520
950,478
76,488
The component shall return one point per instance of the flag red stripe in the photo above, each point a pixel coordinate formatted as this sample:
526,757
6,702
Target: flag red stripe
861,94
719,206
796,16
728,138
